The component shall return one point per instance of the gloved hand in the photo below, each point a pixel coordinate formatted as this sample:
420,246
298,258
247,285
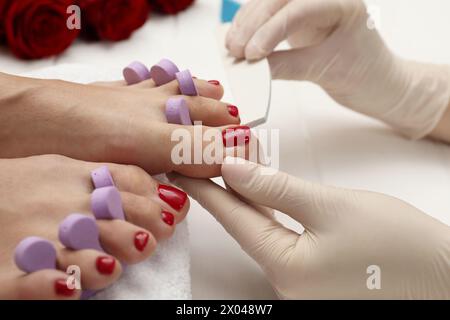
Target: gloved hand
347,233
334,47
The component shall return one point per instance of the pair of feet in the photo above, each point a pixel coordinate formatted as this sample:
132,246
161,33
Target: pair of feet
103,123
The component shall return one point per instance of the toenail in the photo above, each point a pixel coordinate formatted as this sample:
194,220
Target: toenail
105,264
141,240
214,82
233,111
237,136
62,289
172,196
168,218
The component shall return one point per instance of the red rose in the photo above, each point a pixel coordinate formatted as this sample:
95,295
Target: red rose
3,7
38,28
113,20
171,6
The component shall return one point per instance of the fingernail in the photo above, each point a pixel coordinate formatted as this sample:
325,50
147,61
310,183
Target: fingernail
214,82
106,265
141,240
233,110
172,196
237,136
168,218
62,289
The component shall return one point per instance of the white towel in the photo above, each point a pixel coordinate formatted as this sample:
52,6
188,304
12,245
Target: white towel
165,275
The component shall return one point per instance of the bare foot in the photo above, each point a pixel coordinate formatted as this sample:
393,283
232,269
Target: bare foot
37,193
105,122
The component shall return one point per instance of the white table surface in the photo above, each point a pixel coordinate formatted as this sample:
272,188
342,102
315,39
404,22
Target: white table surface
319,141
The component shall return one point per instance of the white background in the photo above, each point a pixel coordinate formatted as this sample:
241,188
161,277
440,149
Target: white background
319,140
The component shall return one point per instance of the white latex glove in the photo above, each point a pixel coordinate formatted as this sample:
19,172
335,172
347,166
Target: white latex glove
334,47
346,232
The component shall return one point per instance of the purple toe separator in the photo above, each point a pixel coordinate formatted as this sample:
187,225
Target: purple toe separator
136,72
33,254
105,199
177,112
101,177
106,204
164,72
186,83
79,232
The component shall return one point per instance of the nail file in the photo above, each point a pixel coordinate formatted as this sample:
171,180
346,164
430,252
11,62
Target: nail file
101,177
136,72
106,204
177,111
186,83
250,83
33,254
164,72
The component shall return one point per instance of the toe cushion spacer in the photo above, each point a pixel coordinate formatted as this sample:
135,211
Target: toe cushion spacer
33,254
79,232
136,72
101,177
106,204
186,83
164,72
177,112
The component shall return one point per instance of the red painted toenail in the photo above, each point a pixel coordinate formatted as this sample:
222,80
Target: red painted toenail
233,111
141,240
106,265
214,82
62,289
168,218
172,196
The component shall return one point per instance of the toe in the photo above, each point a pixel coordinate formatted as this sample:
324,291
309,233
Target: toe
129,178
212,112
150,215
41,285
97,270
208,89
125,241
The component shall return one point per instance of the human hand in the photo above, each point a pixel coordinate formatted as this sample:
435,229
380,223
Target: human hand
335,45
347,234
